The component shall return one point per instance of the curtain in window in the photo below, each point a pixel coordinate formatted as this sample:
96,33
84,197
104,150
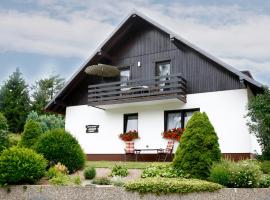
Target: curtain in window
174,120
188,115
132,123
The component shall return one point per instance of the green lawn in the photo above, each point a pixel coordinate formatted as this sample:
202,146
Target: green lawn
129,165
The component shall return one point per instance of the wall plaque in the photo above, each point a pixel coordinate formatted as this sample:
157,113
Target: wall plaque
92,128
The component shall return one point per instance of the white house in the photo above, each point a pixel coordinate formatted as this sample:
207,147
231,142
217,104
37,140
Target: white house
163,80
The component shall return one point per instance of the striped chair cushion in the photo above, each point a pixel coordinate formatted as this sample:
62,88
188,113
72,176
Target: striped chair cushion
129,147
170,146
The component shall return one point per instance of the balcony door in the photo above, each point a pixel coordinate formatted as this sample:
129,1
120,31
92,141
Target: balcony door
124,75
163,69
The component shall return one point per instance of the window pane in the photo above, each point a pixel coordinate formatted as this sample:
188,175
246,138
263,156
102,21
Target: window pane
174,120
188,115
124,75
163,69
132,123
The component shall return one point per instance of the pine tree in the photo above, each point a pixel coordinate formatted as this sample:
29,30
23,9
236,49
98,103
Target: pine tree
44,90
15,101
198,147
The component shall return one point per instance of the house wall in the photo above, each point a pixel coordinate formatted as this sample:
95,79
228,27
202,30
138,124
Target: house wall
226,110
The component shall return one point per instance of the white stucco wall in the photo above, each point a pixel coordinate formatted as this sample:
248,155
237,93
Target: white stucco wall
226,110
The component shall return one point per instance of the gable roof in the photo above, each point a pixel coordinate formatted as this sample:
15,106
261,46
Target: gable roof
129,20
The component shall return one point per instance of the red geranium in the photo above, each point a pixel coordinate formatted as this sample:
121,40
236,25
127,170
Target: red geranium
129,136
173,134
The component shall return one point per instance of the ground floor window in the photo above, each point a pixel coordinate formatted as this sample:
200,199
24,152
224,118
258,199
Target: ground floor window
130,122
177,118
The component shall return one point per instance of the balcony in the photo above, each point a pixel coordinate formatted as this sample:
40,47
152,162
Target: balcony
157,88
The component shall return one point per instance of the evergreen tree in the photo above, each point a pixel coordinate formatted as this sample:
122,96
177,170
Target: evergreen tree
15,101
44,90
198,147
259,120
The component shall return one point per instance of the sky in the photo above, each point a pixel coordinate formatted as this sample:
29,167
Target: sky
46,37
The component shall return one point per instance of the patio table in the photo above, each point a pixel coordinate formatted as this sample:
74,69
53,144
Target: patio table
138,151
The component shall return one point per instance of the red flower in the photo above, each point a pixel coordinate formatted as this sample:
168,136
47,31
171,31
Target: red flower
129,136
174,134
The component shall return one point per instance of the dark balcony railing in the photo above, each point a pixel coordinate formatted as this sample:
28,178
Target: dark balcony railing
159,87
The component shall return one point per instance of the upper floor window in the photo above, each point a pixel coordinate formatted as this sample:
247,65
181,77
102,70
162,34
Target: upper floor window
163,68
177,118
125,74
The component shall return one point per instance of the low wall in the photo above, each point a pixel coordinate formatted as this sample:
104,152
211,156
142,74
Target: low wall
34,192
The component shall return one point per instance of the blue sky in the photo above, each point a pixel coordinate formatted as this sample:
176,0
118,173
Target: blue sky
44,37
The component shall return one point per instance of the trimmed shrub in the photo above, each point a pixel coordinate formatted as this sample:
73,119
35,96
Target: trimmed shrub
119,170
198,147
32,131
90,173
47,122
243,174
102,181
21,165
265,166
171,185
60,146
166,171
4,142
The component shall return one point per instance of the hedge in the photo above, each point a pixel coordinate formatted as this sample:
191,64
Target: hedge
170,185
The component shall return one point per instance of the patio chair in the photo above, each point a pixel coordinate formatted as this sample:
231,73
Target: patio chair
166,152
129,150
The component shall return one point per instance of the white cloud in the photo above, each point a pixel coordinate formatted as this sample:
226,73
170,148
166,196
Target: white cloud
75,28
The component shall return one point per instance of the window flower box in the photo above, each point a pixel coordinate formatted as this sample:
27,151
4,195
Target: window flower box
173,134
129,136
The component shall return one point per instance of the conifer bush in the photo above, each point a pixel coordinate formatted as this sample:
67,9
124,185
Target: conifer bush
60,146
20,166
198,148
4,140
32,131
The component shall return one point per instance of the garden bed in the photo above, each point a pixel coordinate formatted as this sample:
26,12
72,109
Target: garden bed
117,193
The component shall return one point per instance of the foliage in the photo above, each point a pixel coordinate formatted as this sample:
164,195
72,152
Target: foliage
102,181
173,134
14,139
265,166
56,170
90,173
21,165
129,165
242,174
129,136
15,101
198,148
32,131
170,185
264,181
4,142
117,181
60,179
60,146
166,171
259,120
77,180
3,122
119,170
44,90
47,122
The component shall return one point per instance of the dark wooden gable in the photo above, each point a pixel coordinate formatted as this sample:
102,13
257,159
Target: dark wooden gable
139,40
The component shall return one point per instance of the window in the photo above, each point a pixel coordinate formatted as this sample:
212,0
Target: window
130,122
177,118
163,69
125,74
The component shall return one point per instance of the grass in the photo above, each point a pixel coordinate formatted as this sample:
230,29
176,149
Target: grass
129,165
